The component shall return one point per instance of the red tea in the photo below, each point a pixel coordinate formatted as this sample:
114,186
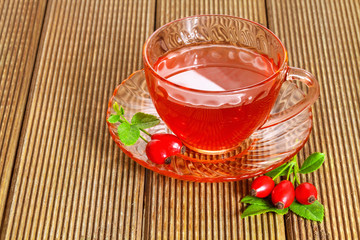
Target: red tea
233,105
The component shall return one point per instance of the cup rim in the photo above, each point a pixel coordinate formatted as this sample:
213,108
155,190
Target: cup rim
147,63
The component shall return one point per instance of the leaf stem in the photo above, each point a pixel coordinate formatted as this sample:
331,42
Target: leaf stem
146,132
294,159
122,116
282,170
297,179
144,139
289,171
296,170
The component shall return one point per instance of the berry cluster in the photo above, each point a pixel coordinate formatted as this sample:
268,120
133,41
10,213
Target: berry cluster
283,197
283,194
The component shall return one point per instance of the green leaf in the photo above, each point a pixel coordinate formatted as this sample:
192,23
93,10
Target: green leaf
313,211
128,133
255,200
312,163
114,118
143,120
281,211
116,108
254,210
122,111
259,206
260,209
284,168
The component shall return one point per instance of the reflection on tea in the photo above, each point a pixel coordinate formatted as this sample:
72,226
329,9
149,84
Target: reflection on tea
214,67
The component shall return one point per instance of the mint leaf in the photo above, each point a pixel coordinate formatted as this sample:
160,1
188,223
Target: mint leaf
260,209
128,133
312,163
284,168
143,120
313,211
255,200
114,118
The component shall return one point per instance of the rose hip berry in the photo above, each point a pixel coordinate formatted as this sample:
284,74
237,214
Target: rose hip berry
174,144
283,194
262,186
157,152
162,146
306,193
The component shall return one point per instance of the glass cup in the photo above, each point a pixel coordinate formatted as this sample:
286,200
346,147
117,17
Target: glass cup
214,122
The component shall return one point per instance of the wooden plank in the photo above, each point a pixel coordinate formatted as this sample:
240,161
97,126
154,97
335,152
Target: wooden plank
186,210
323,37
168,10
20,26
70,180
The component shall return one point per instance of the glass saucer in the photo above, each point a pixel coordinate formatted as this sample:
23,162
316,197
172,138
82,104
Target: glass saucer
265,150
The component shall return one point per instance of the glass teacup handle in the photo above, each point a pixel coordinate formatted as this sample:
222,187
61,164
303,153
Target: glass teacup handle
296,74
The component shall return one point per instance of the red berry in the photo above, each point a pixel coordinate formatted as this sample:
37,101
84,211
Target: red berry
174,144
162,146
283,194
262,186
157,152
306,193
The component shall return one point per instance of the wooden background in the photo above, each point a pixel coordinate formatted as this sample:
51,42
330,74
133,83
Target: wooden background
62,176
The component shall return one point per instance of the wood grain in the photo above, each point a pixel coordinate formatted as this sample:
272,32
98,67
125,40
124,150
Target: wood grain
19,37
59,64
70,180
323,37
186,210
